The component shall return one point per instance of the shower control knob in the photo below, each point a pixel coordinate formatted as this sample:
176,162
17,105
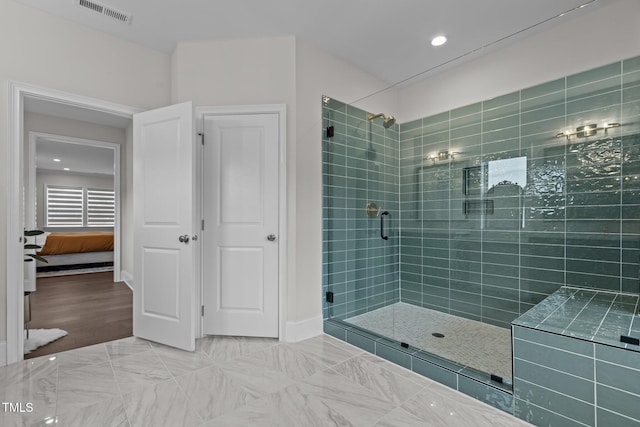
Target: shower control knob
271,237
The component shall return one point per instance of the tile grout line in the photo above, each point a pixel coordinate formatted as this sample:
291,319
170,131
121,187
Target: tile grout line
553,412
566,299
113,371
173,378
603,318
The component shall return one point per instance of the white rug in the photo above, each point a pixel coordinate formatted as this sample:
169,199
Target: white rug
39,337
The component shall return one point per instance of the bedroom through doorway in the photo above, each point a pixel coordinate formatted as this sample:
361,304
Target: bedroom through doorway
73,181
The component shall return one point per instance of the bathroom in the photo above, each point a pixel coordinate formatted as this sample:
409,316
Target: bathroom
441,232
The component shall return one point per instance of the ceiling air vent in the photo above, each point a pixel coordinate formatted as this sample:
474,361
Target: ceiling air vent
107,11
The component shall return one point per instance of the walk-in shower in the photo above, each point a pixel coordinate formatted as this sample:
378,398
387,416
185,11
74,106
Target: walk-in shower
492,207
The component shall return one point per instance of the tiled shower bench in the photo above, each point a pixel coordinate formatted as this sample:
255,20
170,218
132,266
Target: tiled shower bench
577,360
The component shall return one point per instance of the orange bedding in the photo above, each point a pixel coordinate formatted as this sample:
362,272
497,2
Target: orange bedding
71,243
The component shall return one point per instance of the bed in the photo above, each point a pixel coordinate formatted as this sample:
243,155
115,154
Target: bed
74,250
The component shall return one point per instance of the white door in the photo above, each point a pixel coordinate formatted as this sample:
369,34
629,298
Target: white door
163,206
240,238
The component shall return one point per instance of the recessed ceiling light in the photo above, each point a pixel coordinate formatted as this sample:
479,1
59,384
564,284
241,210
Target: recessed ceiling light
67,169
56,160
438,41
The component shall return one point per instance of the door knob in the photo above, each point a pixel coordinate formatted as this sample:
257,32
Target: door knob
271,237
184,239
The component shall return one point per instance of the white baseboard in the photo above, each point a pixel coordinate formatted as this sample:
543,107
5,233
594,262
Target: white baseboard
3,353
303,329
127,278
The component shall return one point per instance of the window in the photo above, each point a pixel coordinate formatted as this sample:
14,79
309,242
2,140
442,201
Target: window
65,206
101,208
79,207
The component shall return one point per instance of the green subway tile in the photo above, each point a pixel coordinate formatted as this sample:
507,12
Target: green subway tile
509,134
500,123
545,132
490,395
591,253
562,383
470,309
631,64
543,89
334,330
459,132
500,101
542,417
435,372
593,103
393,355
435,119
630,83
501,112
408,126
555,402
552,340
607,283
594,75
563,361
544,113
618,356
466,111
364,343
618,401
608,418
596,88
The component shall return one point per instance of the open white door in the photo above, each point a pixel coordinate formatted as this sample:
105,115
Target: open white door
164,204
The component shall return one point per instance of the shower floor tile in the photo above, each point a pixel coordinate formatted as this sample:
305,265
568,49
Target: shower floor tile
467,342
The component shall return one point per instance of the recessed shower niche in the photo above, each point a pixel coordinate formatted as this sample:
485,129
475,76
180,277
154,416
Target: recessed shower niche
490,212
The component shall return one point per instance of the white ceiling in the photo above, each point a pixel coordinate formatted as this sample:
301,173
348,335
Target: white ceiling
389,39
78,158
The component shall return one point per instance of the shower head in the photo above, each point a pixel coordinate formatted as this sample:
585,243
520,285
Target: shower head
387,122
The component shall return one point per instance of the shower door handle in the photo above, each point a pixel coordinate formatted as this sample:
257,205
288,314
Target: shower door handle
382,215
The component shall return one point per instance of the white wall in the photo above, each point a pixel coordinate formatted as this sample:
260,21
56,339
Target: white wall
41,49
605,34
282,70
319,73
242,72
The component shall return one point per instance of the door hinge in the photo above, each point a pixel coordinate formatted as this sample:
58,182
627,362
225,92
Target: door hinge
202,225
329,296
202,310
201,137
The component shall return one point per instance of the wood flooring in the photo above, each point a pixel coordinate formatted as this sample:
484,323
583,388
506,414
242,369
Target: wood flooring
90,307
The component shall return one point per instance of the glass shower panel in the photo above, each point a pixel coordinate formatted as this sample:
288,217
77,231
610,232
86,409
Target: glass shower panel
360,161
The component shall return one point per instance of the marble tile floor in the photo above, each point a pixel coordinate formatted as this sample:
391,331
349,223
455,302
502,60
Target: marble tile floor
232,381
470,343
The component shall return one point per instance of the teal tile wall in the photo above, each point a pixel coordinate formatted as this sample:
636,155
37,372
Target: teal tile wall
570,381
574,221
359,165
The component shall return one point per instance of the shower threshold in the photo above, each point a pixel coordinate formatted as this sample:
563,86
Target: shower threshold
478,345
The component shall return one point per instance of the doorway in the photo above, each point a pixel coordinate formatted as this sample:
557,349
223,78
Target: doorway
19,94
73,294
74,107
